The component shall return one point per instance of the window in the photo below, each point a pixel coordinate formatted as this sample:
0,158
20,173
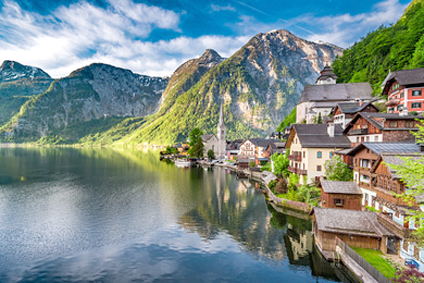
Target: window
319,168
357,139
331,154
397,214
401,95
368,138
416,105
373,201
338,202
304,154
356,161
376,138
324,198
319,154
416,92
399,107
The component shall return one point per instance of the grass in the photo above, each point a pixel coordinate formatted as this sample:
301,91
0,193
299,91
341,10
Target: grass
376,259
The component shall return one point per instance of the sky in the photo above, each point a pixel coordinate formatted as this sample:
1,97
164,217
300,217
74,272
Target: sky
154,37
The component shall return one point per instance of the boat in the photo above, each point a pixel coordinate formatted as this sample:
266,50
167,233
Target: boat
184,163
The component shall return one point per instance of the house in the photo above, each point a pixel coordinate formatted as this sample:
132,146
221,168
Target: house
356,228
342,195
276,135
320,99
255,149
182,148
404,89
275,147
381,127
363,158
386,183
343,112
311,145
233,148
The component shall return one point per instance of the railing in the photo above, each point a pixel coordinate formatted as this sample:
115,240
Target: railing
297,170
362,262
295,157
359,131
393,226
392,102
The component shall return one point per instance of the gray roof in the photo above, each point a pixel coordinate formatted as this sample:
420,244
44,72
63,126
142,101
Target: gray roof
316,135
378,147
406,77
262,142
337,92
338,187
351,222
205,138
353,107
395,158
377,119
327,72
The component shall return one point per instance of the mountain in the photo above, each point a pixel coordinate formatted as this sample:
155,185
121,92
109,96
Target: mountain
258,86
18,83
90,100
397,47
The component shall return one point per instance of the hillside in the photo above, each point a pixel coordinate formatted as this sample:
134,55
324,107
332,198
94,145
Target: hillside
258,86
18,83
397,47
89,101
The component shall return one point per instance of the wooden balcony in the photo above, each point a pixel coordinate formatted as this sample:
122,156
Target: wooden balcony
392,102
297,170
389,197
359,132
295,157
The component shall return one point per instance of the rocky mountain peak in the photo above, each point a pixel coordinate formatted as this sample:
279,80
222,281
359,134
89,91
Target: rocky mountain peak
210,56
12,71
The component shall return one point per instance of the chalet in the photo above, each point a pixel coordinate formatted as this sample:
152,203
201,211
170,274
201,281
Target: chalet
381,127
404,89
320,99
343,113
364,156
342,195
275,147
387,183
356,228
255,149
233,148
311,145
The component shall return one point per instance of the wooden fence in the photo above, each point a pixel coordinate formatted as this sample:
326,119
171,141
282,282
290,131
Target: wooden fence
362,262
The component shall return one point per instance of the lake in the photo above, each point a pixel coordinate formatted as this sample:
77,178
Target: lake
121,215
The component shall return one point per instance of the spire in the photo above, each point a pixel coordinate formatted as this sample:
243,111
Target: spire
221,116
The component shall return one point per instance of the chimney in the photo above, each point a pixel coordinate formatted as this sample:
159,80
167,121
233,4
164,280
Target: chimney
404,111
330,129
361,102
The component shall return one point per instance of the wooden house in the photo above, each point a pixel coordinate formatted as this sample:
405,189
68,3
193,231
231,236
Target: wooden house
381,127
341,195
404,90
356,228
343,113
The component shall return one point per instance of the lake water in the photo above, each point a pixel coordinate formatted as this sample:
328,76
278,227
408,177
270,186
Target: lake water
107,215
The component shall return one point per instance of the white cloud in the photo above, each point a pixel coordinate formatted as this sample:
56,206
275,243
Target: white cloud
343,30
217,8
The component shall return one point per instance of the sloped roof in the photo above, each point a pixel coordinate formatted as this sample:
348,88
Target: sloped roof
262,142
379,147
327,72
406,77
395,158
337,92
352,222
316,135
353,107
206,138
339,187
377,119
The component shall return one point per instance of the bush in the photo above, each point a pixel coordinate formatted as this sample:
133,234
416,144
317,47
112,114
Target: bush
252,164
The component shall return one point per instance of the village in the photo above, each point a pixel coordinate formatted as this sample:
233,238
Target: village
368,134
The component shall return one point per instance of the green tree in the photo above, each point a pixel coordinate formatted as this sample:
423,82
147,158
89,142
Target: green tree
281,163
337,170
211,154
195,135
411,172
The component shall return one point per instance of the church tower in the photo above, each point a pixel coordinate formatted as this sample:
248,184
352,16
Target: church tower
328,77
221,135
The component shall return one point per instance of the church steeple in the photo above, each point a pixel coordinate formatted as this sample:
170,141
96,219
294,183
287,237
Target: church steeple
221,134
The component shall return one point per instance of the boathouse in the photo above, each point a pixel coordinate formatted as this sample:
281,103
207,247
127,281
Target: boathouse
356,228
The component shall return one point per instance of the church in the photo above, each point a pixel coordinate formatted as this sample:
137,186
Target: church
217,143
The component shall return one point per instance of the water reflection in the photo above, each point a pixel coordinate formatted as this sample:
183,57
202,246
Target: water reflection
77,215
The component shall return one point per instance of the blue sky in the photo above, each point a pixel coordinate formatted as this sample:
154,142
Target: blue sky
154,37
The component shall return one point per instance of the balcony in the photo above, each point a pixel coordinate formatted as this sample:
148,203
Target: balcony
297,171
392,102
295,157
359,132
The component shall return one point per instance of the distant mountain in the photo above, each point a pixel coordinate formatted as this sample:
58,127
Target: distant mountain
259,86
18,83
90,100
386,49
